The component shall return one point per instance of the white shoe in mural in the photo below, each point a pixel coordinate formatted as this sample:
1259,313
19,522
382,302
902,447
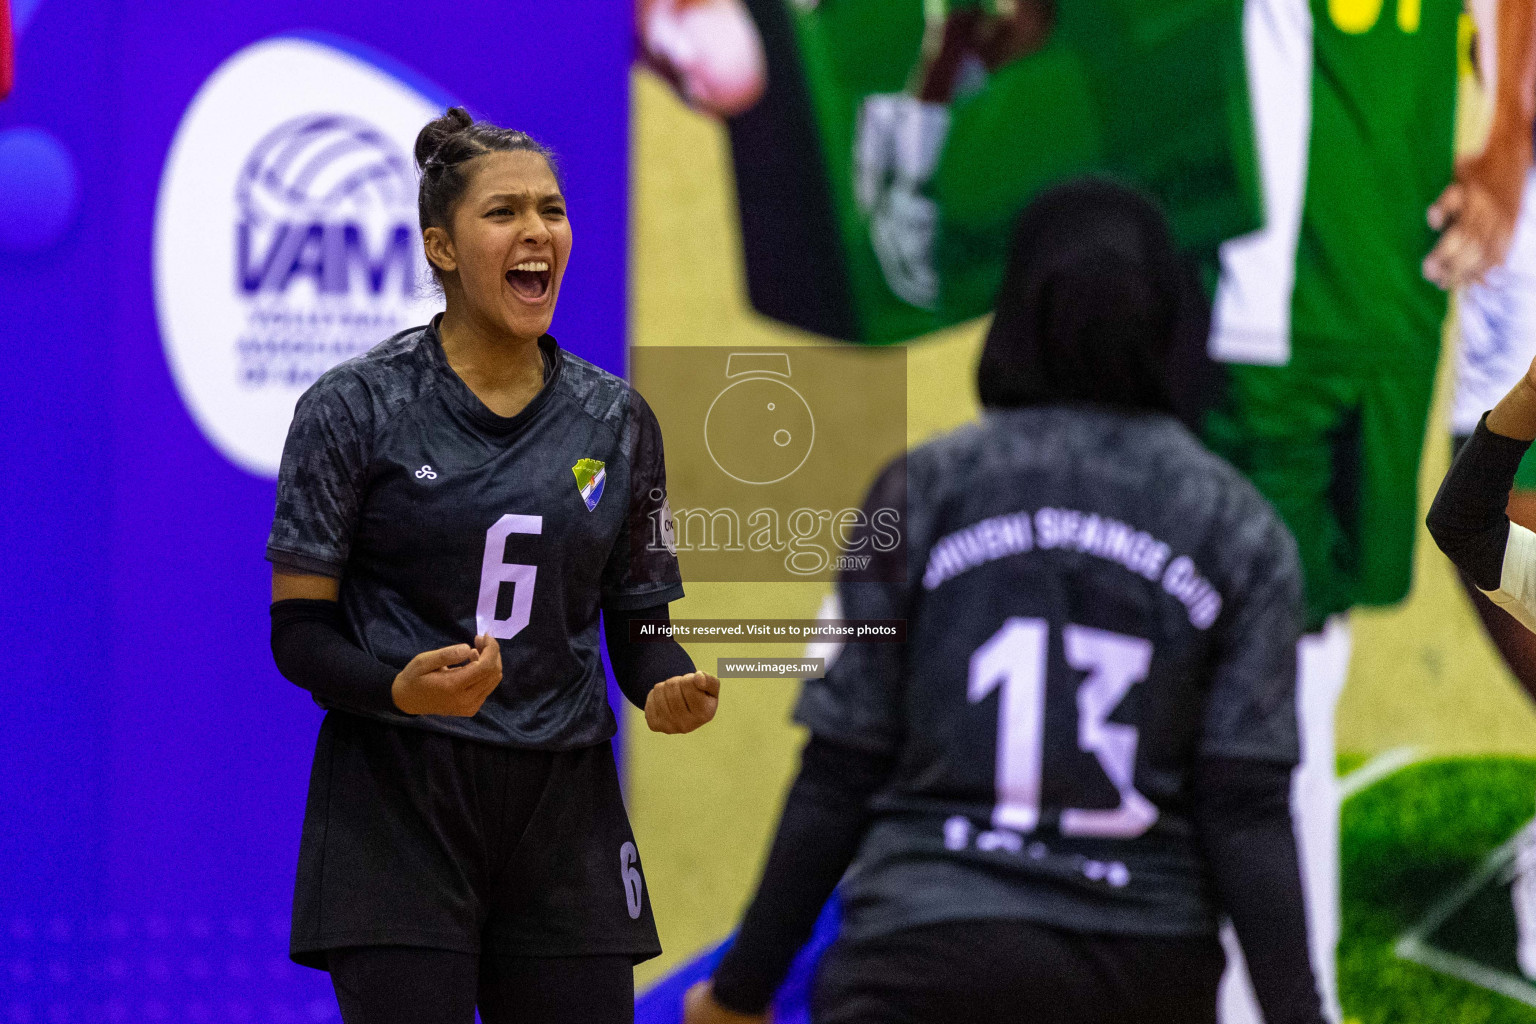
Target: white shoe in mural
896,151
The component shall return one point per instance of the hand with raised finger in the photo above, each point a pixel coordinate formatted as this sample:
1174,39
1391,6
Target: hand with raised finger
453,680
683,703
1460,256
488,671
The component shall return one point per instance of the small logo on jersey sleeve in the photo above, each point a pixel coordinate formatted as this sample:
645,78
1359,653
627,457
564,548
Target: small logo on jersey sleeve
590,477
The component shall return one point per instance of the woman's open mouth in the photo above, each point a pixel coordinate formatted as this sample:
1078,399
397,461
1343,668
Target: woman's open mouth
530,280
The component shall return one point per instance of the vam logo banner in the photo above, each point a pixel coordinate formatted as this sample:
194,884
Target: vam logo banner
286,236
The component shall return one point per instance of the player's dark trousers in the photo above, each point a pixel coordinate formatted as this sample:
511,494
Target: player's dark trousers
402,985
1014,971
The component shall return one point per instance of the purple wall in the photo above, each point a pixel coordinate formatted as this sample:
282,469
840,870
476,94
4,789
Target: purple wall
154,765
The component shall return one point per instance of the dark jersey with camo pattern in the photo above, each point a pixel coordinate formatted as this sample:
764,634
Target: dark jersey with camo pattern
1093,601
443,520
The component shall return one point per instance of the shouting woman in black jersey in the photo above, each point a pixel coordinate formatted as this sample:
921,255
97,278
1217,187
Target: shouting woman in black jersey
454,509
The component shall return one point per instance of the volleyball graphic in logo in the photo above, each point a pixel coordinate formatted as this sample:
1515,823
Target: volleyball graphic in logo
327,230
323,166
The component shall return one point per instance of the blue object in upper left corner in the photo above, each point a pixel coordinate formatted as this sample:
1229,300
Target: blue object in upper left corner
39,189
21,13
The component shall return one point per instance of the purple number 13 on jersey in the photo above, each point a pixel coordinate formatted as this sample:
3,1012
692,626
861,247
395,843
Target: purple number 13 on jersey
1015,659
494,571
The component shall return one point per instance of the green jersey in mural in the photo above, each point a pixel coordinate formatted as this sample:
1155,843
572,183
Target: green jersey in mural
1347,178
880,176
1355,105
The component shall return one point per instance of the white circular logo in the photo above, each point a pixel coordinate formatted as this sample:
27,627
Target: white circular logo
286,237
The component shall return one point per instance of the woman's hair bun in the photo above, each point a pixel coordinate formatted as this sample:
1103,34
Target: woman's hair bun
430,140
444,149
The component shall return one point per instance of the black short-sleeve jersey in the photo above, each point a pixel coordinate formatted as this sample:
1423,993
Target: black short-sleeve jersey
443,520
1093,600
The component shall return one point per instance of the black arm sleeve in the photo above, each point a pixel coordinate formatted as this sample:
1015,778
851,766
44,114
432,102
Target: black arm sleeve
312,651
1467,517
1242,813
824,818
637,667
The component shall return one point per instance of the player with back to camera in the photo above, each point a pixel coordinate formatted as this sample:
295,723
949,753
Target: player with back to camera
1082,756
454,508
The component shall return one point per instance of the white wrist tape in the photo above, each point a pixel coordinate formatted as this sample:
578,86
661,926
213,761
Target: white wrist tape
1517,582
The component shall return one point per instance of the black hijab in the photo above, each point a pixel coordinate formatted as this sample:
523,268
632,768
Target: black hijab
1097,305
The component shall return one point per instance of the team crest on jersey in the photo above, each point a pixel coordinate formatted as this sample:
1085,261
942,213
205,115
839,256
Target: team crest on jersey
590,477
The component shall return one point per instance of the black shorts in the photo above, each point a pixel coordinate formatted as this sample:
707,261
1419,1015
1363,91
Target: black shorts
1020,972
414,838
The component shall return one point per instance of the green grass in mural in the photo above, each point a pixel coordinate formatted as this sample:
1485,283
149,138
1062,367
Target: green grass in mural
1408,843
